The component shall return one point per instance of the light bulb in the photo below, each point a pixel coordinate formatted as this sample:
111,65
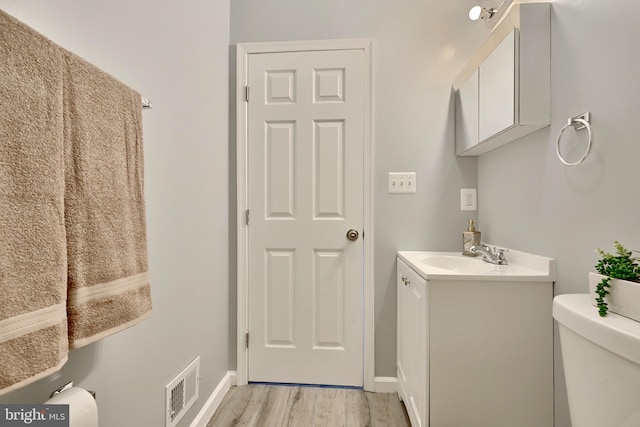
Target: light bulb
475,13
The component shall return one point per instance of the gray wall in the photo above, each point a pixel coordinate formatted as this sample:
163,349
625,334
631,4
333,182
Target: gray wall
176,54
529,200
418,47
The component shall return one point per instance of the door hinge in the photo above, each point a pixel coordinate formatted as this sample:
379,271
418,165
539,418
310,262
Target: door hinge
246,340
246,217
246,93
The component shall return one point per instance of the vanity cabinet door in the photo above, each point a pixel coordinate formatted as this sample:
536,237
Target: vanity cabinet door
497,89
401,345
413,344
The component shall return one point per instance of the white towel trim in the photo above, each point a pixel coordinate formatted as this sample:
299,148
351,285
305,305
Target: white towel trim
32,321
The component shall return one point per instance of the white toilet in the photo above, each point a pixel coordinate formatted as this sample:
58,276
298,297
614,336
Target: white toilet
601,358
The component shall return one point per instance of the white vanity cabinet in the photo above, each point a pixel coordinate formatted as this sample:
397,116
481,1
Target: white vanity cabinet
504,91
474,350
412,346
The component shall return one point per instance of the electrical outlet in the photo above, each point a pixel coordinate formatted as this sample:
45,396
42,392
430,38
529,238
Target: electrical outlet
468,199
402,182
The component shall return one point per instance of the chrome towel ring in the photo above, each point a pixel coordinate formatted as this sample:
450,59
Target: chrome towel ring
578,122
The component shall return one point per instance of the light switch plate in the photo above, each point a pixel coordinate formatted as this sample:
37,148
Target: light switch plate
468,199
402,182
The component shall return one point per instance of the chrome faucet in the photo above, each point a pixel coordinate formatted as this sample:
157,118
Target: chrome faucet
490,254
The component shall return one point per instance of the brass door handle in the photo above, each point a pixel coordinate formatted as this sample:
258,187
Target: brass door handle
353,235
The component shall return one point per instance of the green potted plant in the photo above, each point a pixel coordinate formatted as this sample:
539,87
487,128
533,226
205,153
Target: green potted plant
616,286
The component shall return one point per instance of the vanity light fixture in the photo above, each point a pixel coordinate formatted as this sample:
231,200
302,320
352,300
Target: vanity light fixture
491,15
479,12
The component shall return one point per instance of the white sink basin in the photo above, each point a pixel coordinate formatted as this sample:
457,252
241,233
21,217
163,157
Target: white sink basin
457,263
521,266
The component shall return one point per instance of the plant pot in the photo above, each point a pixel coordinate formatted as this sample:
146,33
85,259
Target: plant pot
623,297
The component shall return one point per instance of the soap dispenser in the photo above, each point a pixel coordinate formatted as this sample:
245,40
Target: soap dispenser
471,237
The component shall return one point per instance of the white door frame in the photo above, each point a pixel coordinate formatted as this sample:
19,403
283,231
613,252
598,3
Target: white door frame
242,61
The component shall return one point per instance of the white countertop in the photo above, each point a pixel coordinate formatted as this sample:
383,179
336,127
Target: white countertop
521,266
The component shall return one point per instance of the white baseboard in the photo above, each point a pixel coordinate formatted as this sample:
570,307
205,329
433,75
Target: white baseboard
214,400
385,384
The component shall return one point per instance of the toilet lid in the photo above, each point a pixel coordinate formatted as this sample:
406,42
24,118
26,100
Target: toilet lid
617,334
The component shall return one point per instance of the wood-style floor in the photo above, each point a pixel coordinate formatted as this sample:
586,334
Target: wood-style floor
276,405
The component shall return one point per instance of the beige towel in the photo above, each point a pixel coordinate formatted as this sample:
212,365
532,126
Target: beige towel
33,291
73,260
104,204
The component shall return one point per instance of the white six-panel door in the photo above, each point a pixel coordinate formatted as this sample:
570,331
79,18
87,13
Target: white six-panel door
305,132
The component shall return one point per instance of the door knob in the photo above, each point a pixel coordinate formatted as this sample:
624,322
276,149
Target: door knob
353,235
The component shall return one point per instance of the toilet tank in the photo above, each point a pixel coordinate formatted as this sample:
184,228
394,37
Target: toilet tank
601,357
